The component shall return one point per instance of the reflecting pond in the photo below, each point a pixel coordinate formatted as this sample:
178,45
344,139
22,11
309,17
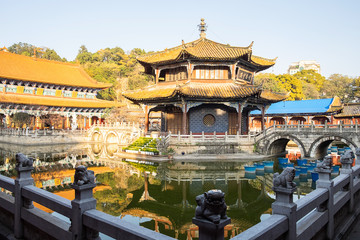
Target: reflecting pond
158,196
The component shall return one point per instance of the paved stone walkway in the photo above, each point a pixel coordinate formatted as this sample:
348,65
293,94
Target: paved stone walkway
355,231
5,233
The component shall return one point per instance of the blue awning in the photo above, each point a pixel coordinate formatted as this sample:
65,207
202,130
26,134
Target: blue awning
298,107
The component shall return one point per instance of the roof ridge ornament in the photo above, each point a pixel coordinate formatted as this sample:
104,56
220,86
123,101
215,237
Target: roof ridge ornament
202,28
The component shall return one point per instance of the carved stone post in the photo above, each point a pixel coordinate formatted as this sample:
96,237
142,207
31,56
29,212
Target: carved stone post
357,154
209,217
84,182
24,167
324,170
347,160
284,204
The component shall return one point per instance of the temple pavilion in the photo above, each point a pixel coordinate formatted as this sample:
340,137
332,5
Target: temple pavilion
204,86
44,88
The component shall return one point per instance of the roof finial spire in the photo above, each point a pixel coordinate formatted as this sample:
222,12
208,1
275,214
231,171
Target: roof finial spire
202,28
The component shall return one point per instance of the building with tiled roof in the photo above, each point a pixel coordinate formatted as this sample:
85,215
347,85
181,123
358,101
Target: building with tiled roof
203,86
313,111
350,114
42,87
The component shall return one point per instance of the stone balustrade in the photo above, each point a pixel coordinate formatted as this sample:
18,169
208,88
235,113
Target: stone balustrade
195,138
325,213
27,132
18,213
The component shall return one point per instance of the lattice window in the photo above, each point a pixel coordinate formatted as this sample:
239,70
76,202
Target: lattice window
209,120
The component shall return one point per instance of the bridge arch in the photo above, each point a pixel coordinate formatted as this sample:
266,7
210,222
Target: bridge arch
111,149
97,136
96,149
318,148
112,137
125,138
277,144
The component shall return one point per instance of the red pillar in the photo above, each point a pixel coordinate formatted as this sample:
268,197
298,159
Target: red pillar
184,119
239,118
146,119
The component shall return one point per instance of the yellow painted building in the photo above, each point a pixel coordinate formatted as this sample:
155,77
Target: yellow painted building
55,94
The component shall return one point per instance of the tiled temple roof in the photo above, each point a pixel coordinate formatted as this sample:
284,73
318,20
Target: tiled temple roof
55,101
350,110
262,61
193,89
19,67
271,96
205,49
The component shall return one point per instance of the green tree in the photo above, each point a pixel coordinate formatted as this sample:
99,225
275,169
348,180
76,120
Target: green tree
50,54
291,84
22,49
281,84
41,52
312,77
268,81
84,56
339,85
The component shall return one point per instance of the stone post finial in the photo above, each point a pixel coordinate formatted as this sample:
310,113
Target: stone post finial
347,160
24,166
84,182
210,215
323,168
357,154
83,176
284,188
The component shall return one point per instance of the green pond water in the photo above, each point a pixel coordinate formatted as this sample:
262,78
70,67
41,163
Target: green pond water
158,196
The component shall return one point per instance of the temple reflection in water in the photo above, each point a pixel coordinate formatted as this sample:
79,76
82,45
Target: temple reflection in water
157,196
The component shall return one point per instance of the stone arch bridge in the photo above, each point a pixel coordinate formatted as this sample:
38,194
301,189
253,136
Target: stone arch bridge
115,133
312,140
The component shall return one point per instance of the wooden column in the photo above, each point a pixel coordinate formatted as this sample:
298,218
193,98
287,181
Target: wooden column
233,67
146,119
184,119
262,118
189,70
239,118
89,121
37,122
67,122
157,74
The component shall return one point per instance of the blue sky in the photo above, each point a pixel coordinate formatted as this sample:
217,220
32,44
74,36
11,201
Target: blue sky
326,31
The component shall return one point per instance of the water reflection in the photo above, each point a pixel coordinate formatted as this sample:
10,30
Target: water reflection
157,196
